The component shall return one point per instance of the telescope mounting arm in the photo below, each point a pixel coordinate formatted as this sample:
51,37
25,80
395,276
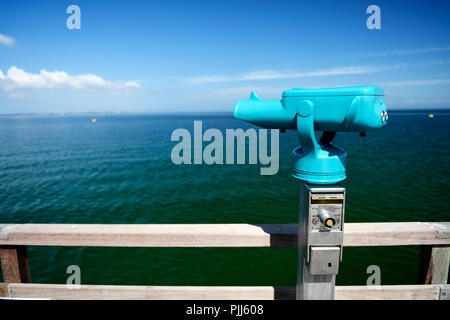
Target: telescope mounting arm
305,129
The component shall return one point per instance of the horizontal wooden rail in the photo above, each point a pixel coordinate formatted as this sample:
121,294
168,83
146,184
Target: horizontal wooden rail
214,235
14,238
99,292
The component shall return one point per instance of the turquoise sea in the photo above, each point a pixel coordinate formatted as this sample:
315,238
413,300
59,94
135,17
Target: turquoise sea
67,169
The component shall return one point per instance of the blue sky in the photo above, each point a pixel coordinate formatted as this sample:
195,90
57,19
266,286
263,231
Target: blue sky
170,56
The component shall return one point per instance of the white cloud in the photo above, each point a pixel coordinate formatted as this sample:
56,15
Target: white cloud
273,74
18,79
245,91
403,52
6,40
407,83
423,101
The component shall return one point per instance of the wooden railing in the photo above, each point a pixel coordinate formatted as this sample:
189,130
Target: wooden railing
14,239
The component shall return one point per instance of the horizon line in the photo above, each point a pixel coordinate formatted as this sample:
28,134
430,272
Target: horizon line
71,113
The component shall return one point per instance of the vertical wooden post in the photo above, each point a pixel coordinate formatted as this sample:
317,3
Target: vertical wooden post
15,264
434,265
3,290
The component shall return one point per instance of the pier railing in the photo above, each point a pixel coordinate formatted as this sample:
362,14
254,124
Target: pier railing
14,239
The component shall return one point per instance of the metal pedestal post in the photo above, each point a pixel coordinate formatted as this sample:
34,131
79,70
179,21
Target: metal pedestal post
320,235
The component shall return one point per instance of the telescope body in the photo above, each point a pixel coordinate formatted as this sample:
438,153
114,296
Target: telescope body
347,109
355,109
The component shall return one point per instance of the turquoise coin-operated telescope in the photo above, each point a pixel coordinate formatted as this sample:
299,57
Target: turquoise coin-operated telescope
319,165
354,109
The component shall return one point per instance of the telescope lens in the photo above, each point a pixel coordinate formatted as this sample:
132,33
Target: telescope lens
329,223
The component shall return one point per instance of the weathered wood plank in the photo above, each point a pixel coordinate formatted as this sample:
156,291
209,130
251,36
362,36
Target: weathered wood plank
3,289
150,235
392,234
434,264
402,292
100,292
445,292
441,262
14,261
214,235
442,229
